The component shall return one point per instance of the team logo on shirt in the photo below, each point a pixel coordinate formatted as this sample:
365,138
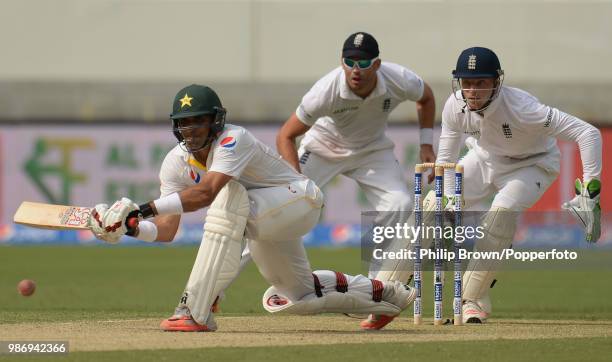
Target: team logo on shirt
507,131
195,176
228,142
386,105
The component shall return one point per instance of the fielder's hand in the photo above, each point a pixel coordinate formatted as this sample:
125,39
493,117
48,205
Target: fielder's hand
111,224
427,154
585,208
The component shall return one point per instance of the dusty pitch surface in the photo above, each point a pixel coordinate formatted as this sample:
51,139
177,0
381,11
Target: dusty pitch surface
285,331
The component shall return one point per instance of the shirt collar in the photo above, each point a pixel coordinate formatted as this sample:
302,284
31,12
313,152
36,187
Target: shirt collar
347,93
493,106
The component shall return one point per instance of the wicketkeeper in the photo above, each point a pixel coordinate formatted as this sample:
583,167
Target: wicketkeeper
253,197
513,157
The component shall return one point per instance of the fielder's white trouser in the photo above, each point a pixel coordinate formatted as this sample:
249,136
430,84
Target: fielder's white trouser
378,174
515,191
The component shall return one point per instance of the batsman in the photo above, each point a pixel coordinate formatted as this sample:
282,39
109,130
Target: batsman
513,157
254,198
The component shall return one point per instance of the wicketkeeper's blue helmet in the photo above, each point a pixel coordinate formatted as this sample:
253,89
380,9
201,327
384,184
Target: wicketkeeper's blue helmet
477,62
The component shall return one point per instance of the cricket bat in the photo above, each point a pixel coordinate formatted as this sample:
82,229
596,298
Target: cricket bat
49,216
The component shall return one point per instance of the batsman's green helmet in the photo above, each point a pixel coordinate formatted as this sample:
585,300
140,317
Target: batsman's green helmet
195,100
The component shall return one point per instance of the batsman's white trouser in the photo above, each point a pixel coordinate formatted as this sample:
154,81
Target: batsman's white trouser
378,175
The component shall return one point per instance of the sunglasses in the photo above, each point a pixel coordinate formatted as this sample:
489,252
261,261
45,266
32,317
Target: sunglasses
361,64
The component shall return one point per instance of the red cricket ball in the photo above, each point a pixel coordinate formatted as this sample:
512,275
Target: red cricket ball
26,287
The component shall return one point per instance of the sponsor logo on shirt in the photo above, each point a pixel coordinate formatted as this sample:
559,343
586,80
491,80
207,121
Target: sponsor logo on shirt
195,175
304,157
345,109
228,142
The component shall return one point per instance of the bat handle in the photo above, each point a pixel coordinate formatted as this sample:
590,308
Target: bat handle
132,223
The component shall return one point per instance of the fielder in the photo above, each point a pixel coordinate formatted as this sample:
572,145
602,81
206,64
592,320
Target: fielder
254,197
514,156
343,118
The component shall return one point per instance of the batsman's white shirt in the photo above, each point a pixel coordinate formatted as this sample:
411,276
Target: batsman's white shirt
284,204
237,153
344,124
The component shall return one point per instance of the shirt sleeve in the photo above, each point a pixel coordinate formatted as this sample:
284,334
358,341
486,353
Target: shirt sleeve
567,127
170,175
314,105
450,137
232,153
412,85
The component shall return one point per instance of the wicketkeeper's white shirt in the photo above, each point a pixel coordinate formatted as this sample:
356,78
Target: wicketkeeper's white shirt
344,124
237,153
515,131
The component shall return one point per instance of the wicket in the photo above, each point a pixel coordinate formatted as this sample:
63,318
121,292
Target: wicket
438,242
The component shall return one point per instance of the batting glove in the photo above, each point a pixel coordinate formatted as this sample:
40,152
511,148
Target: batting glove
110,224
586,209
96,226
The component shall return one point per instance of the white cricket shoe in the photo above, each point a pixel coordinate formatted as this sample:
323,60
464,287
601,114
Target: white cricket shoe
473,313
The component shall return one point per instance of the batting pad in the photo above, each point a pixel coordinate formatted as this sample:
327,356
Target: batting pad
331,302
499,226
218,259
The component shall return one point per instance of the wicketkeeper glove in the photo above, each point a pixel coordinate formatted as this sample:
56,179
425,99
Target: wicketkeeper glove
586,209
110,224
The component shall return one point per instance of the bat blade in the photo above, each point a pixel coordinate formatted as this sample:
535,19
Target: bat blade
49,216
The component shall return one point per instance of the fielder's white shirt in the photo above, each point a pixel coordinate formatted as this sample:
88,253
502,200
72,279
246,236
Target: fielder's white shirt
515,131
344,124
237,153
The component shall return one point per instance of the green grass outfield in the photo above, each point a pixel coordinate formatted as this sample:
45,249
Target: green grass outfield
102,283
